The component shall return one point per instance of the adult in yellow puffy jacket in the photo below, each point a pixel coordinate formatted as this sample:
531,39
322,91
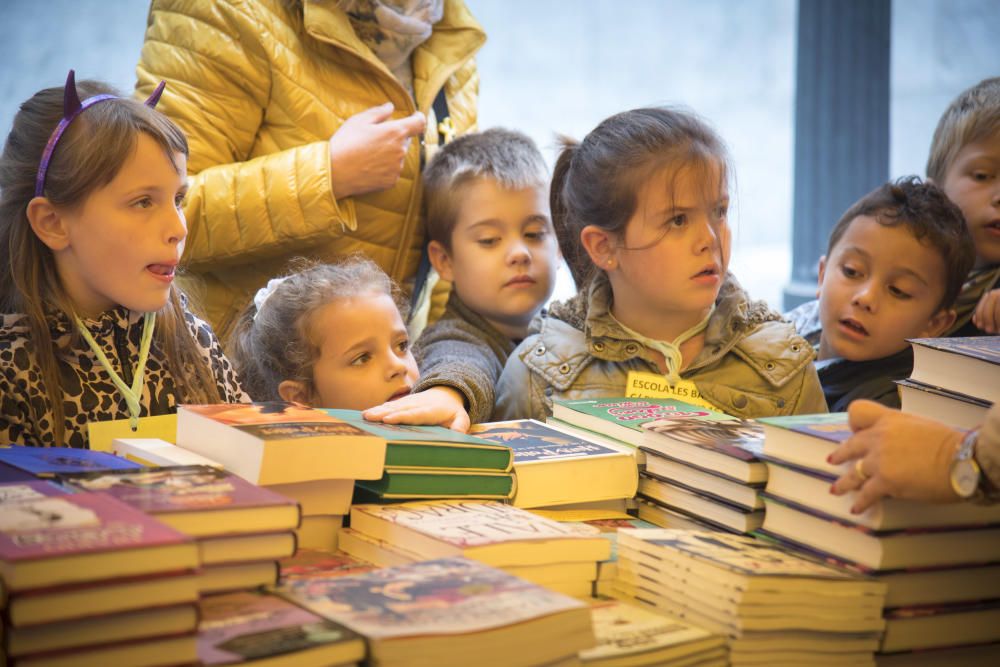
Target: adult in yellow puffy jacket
301,117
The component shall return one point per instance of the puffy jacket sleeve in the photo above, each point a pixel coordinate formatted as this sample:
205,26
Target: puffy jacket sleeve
217,72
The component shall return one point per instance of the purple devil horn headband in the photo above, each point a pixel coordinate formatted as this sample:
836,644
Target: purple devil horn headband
73,107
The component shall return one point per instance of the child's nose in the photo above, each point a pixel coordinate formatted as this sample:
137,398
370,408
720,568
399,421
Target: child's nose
396,365
518,252
866,297
708,235
176,226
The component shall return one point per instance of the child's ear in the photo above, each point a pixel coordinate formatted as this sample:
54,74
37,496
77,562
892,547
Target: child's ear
293,391
600,246
440,260
939,322
48,224
822,271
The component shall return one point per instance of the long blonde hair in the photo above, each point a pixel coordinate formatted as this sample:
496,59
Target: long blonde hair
88,157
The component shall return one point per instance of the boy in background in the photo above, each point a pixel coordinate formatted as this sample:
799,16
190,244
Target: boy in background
894,265
964,161
491,235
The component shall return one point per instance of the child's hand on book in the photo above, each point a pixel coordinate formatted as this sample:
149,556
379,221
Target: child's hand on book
437,406
987,313
895,454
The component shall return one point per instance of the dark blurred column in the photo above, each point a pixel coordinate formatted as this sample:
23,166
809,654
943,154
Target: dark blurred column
841,123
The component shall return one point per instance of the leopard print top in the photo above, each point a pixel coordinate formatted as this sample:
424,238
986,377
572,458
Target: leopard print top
88,392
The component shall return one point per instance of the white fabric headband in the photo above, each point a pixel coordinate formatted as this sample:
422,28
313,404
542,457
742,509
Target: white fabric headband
265,292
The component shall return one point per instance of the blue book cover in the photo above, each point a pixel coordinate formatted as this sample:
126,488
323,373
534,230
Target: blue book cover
533,441
49,461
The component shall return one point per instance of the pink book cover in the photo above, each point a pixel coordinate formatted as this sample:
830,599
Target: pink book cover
178,489
77,523
15,492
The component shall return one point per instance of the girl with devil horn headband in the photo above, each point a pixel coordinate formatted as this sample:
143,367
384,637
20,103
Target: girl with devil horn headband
91,231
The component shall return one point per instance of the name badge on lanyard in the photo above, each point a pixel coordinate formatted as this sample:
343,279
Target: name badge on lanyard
640,384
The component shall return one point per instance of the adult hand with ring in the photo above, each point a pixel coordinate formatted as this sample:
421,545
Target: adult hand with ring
860,470
903,456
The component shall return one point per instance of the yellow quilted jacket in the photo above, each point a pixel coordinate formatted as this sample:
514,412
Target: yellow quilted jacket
259,86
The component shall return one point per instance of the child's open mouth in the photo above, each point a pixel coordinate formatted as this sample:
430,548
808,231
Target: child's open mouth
854,325
162,270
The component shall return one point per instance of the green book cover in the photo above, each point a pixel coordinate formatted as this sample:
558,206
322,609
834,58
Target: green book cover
410,446
435,483
622,418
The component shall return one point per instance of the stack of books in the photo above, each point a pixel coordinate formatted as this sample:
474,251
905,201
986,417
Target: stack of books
554,467
705,465
941,563
297,452
427,462
607,570
87,579
560,556
954,380
628,634
774,607
256,627
241,530
452,612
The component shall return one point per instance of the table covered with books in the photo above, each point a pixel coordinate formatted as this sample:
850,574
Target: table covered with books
624,531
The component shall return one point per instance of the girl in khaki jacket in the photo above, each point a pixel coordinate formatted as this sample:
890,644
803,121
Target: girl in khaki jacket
640,207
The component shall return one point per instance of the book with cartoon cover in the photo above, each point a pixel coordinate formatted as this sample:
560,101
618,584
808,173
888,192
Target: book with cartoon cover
436,597
199,500
622,418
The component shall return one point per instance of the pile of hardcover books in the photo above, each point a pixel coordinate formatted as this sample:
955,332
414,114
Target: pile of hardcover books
697,467
774,607
88,579
704,465
954,380
297,452
427,462
941,563
452,612
560,556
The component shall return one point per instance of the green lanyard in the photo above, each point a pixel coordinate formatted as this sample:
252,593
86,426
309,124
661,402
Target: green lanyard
671,351
133,394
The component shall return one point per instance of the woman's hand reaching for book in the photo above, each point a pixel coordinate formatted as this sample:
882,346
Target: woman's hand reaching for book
895,454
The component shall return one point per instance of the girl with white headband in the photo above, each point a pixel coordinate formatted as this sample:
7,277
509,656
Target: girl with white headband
329,336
